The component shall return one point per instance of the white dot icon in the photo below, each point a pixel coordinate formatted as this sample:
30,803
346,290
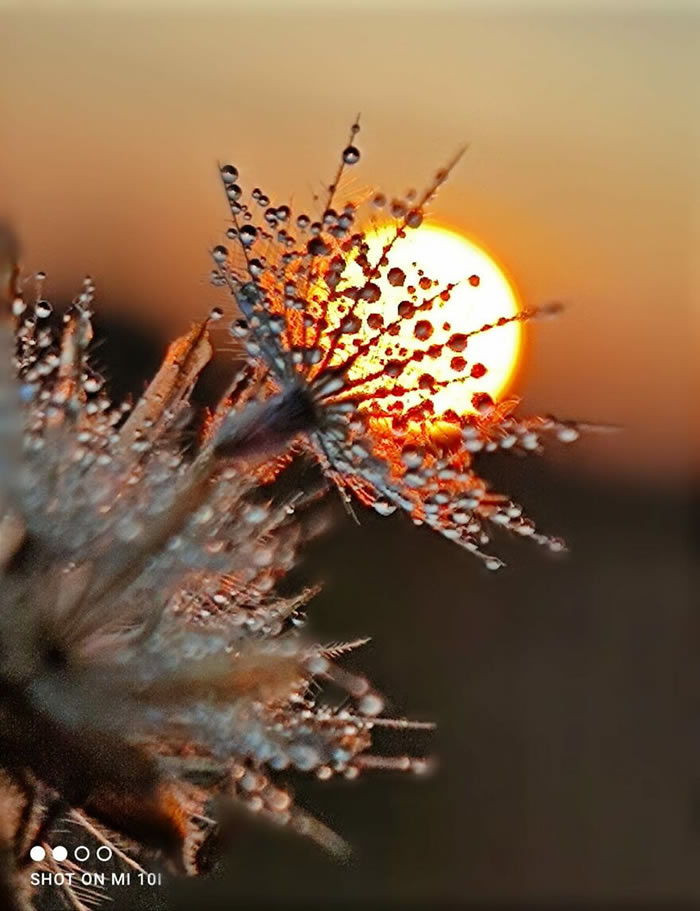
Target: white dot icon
60,853
37,853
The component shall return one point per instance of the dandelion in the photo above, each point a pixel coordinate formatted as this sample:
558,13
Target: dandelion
353,378
148,665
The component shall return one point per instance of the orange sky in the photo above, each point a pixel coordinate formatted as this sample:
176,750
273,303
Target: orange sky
581,177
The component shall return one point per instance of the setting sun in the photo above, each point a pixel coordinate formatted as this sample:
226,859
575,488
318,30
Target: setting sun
480,294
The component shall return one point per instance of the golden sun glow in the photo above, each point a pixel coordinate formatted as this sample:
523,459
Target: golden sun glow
481,294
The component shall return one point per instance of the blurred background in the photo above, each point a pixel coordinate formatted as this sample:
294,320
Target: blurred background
565,690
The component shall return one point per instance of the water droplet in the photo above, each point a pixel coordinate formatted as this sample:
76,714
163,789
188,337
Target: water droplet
43,309
371,704
92,384
229,174
412,456
304,756
330,217
567,434
239,328
457,342
247,234
220,253
423,329
351,324
482,402
317,246
414,218
203,515
370,293
256,268
277,800
557,545
351,155
396,277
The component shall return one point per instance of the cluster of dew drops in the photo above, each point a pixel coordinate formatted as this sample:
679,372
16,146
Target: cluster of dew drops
303,317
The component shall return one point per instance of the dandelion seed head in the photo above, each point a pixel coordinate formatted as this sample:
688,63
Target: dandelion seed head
351,345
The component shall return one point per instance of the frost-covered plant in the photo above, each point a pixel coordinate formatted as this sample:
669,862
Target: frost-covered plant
149,665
